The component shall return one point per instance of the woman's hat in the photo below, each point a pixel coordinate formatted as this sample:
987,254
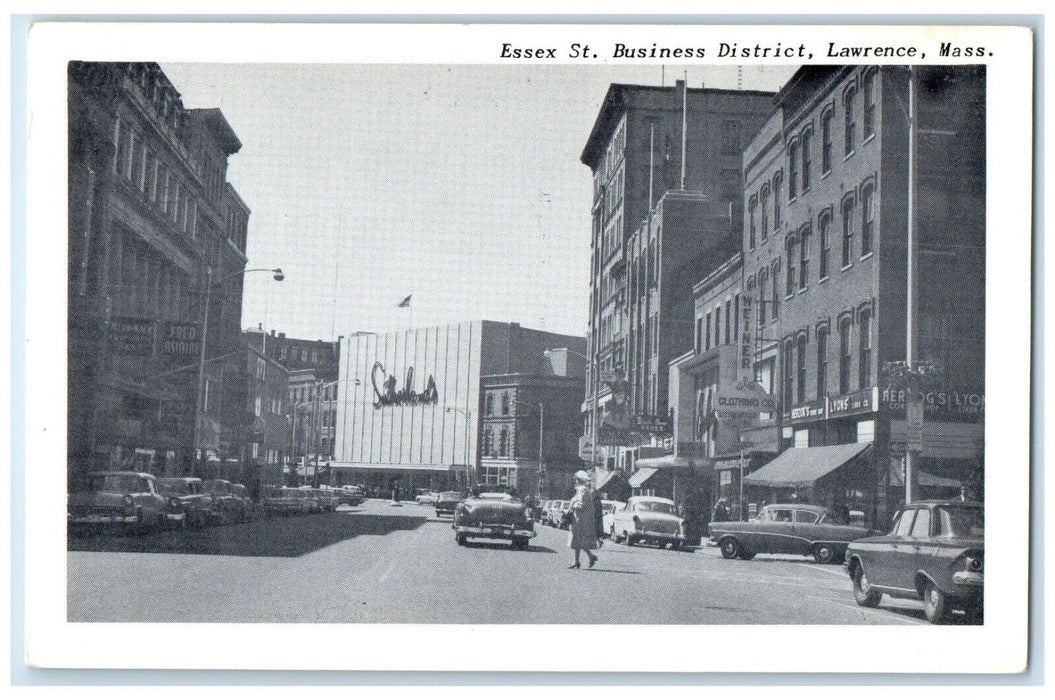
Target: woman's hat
581,476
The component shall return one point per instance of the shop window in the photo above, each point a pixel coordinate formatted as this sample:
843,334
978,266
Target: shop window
866,431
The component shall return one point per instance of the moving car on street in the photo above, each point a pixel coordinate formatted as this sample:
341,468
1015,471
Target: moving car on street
934,552
447,501
126,498
788,528
649,519
493,515
191,492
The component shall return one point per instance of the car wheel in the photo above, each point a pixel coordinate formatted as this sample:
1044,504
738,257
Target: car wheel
864,594
630,539
935,603
730,547
461,539
823,553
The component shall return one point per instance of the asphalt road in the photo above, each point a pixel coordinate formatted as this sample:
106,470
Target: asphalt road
380,563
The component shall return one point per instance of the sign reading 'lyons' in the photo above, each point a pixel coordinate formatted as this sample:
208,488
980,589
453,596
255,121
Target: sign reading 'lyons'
744,397
387,395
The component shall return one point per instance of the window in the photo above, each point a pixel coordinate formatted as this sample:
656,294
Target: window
867,218
489,405
503,443
765,212
489,442
800,358
904,523
864,331
848,107
776,286
793,170
730,138
822,362
699,336
868,87
806,516
763,286
708,337
826,142
921,527
751,204
788,376
505,404
728,313
718,325
736,315
826,244
804,257
807,139
789,280
778,184
848,231
844,356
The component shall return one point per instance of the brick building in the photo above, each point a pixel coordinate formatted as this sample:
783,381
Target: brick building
824,276
151,216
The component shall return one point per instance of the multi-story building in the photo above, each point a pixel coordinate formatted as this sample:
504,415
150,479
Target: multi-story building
666,164
826,211
266,430
414,403
151,219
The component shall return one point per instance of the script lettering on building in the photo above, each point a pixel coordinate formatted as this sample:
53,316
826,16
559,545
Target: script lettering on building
386,394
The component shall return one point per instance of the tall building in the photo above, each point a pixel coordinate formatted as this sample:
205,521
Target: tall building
151,219
666,164
413,403
827,184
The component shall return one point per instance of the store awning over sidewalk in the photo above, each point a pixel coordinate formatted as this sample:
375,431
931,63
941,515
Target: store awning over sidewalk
799,467
641,476
664,462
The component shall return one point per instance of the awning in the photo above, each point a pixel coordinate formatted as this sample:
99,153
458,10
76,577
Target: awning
641,476
664,462
605,479
801,466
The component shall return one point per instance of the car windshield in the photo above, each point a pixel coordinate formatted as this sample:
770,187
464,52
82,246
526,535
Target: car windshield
450,496
176,486
119,483
216,487
961,521
656,507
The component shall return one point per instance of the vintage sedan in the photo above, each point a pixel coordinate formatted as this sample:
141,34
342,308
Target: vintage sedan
447,502
328,499
288,501
126,498
494,516
351,495
556,511
608,511
934,552
197,504
242,493
648,519
225,501
426,498
788,528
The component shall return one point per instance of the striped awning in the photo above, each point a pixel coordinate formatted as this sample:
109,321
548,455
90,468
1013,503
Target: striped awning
641,476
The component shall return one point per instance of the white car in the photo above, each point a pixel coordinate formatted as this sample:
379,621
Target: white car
426,499
608,510
648,519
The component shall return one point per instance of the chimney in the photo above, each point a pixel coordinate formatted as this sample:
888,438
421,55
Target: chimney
272,332
281,335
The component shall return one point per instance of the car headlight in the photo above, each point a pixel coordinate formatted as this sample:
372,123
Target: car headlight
975,564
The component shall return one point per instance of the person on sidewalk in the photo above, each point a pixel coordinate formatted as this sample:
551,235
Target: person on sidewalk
583,534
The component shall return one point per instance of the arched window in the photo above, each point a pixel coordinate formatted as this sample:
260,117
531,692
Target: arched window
752,204
867,217
505,404
775,305
868,88
793,170
764,204
489,442
845,354
825,226
848,231
800,367
763,289
778,186
826,142
864,337
789,279
822,361
851,123
503,443
788,375
804,256
807,158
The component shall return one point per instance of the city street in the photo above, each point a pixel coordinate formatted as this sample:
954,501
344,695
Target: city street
380,563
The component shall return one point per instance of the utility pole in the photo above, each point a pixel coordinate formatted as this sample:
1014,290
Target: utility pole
912,243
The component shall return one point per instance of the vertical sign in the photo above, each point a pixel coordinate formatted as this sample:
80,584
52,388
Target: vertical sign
747,346
914,426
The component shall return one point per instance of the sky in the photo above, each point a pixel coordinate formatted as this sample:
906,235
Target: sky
458,185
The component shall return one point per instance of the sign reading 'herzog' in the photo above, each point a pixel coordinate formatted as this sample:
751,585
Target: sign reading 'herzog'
387,395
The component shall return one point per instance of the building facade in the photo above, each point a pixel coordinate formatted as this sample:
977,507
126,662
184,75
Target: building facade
826,215
410,415
151,221
666,165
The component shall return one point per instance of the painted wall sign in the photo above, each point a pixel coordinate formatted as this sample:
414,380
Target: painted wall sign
180,339
744,396
387,395
132,336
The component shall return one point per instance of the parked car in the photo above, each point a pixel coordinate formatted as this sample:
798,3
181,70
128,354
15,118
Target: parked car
289,501
328,499
649,519
426,498
608,510
225,501
242,493
934,552
788,528
197,504
447,502
131,499
555,514
493,515
351,495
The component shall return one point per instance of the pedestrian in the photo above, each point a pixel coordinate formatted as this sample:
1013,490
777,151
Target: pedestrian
583,534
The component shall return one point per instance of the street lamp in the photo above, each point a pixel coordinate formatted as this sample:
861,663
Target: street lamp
594,386
199,408
468,418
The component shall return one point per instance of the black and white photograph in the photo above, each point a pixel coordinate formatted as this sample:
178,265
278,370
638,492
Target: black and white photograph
539,329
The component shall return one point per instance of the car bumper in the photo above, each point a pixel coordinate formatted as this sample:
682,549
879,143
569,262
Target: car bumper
507,532
175,517
101,519
665,536
445,511
968,578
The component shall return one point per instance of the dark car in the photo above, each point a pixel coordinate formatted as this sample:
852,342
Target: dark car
934,552
494,516
226,500
447,501
788,528
197,504
129,499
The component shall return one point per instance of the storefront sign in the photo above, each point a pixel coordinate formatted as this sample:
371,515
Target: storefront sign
180,340
386,394
939,405
746,343
863,401
744,396
811,410
131,336
586,448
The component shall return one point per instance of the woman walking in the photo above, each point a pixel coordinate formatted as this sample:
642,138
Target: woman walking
583,535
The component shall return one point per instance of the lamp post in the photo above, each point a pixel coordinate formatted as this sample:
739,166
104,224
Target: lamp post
594,387
199,406
468,418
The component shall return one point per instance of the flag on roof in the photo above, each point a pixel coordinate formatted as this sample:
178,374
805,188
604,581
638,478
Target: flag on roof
406,302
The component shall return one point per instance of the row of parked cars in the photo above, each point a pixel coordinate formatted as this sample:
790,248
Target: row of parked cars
140,501
640,520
